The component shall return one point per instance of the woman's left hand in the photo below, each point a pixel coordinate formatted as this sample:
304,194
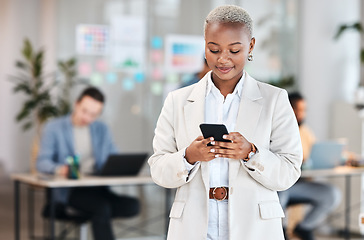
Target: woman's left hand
238,148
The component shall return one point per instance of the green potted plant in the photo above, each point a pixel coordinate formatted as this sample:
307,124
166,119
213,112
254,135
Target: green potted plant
38,105
356,27
359,95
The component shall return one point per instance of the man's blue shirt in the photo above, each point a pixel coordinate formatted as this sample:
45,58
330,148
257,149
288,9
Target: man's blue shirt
57,144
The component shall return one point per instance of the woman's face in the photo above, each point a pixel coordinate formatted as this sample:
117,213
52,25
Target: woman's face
227,46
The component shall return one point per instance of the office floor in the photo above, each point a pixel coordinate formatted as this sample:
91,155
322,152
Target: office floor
153,210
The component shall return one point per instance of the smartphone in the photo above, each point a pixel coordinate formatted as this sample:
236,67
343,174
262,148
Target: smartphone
214,130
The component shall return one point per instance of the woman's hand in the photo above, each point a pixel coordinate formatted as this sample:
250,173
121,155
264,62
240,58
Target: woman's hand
238,148
199,151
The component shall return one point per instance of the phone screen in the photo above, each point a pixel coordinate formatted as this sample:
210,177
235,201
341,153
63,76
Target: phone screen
214,130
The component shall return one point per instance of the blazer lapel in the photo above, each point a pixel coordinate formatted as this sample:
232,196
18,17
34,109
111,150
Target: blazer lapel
194,115
248,116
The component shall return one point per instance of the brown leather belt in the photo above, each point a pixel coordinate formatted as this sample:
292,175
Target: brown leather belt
219,193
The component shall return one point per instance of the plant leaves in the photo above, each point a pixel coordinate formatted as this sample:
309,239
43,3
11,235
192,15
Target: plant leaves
27,125
38,64
64,106
71,62
32,82
47,111
38,85
27,50
43,97
357,26
24,87
24,113
342,28
362,55
21,65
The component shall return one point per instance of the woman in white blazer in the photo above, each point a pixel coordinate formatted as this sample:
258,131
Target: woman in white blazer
227,190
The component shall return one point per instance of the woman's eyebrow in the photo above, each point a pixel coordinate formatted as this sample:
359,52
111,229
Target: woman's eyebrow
235,43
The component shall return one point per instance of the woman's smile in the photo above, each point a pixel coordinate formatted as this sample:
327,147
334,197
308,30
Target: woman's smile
224,70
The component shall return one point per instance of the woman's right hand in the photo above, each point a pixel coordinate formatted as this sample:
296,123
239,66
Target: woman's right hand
199,151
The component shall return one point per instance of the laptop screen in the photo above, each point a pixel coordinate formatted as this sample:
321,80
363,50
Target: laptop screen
326,155
126,164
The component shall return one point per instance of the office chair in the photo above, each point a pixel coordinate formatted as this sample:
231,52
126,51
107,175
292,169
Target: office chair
71,218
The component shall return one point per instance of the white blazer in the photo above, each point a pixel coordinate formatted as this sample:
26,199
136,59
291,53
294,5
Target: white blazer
266,119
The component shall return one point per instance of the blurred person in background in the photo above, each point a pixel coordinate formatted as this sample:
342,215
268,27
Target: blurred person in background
197,76
81,135
322,197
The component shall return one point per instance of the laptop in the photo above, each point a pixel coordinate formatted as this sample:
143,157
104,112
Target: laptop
126,164
326,155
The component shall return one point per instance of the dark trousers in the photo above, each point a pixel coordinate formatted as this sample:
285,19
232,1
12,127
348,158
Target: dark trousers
102,205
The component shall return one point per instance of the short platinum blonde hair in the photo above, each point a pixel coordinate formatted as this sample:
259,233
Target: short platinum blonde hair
230,14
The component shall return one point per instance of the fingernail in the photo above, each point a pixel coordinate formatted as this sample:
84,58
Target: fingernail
217,155
211,138
213,143
224,137
212,150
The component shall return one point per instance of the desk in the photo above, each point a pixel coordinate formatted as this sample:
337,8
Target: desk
86,181
346,172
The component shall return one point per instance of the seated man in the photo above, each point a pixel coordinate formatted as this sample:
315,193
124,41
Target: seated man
322,197
80,134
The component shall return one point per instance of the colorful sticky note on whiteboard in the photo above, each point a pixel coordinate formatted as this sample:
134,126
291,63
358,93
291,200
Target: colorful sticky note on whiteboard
184,53
92,39
128,84
101,65
156,88
111,77
157,42
96,79
139,77
156,56
172,78
157,74
84,69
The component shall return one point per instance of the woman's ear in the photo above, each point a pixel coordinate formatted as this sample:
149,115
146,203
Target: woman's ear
252,44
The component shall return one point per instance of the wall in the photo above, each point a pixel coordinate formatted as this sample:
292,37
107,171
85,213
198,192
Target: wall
328,69
17,20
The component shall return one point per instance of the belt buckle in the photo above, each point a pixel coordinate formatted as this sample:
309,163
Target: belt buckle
213,194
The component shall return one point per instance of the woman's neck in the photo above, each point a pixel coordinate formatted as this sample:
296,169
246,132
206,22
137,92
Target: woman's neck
225,86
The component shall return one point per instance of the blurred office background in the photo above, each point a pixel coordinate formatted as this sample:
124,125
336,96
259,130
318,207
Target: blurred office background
130,49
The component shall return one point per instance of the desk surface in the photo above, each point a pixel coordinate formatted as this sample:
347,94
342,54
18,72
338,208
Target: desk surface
338,171
82,182
135,180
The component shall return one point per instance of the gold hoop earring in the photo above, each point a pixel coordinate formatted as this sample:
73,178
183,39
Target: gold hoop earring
250,57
